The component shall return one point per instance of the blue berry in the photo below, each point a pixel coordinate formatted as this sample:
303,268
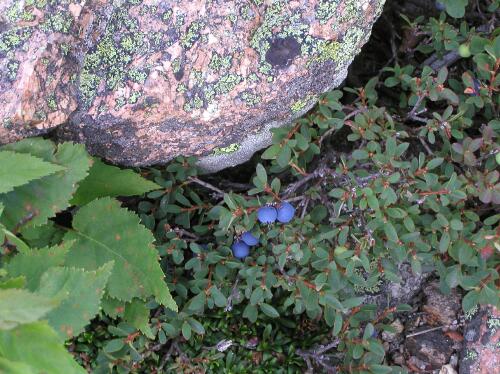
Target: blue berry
440,6
240,249
249,238
267,214
286,211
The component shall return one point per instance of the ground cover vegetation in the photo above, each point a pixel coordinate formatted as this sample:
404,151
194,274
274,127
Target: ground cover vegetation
267,267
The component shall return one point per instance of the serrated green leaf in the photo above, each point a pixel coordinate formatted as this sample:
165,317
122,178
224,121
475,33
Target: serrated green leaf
33,203
38,346
105,180
112,307
33,263
80,293
103,231
18,306
17,169
137,314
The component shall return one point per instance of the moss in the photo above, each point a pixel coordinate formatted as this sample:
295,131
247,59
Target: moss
225,150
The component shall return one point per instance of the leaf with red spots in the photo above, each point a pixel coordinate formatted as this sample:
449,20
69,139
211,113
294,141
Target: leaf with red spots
80,294
103,231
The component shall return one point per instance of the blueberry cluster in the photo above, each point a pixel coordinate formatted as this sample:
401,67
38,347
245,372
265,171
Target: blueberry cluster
267,214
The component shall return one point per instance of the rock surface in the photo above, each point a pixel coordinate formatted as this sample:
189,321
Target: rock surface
143,81
481,352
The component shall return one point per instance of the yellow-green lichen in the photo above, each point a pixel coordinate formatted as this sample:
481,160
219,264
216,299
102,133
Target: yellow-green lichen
227,83
225,150
58,22
134,97
218,62
51,102
326,10
299,105
192,34
251,99
14,39
12,68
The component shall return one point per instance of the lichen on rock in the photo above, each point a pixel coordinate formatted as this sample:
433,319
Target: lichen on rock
143,81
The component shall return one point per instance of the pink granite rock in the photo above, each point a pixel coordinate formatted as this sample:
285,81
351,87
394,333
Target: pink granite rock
481,352
145,81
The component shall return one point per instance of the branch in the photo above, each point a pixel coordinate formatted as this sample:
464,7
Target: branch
206,185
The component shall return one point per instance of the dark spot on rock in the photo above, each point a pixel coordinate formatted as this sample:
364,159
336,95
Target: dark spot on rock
282,51
179,73
485,339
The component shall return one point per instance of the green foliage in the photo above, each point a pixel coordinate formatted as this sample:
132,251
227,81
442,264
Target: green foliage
400,174
105,232
80,292
50,294
37,347
20,306
40,199
105,180
27,168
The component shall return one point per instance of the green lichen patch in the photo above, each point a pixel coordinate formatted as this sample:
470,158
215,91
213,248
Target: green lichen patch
58,22
12,68
250,98
110,59
225,150
218,62
325,10
13,39
51,102
227,83
300,105
192,34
